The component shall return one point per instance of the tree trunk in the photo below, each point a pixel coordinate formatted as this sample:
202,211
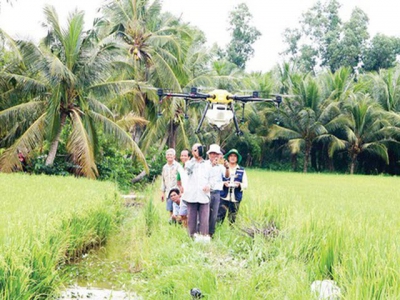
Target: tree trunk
294,162
139,177
331,165
172,134
306,158
305,165
162,144
352,165
54,144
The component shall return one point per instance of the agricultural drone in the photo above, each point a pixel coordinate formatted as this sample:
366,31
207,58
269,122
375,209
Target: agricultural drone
219,109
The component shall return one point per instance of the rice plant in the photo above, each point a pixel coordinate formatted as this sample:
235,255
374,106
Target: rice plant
292,229
46,222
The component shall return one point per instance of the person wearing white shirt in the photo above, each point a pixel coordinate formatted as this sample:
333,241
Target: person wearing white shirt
169,178
197,192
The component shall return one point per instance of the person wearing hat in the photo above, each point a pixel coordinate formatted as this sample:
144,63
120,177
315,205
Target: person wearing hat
235,181
217,173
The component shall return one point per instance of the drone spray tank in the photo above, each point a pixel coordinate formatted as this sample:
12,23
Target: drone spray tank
219,113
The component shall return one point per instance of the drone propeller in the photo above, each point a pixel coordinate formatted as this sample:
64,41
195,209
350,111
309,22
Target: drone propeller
255,98
284,95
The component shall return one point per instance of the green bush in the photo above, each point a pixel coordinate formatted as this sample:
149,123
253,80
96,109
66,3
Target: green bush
118,166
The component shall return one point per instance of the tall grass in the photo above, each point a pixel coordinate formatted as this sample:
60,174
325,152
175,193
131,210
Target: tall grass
339,227
45,222
344,228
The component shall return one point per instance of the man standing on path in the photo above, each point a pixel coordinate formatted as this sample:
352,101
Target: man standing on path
235,181
197,191
168,178
218,171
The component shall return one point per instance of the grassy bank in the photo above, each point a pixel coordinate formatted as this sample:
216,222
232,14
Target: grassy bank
46,222
292,229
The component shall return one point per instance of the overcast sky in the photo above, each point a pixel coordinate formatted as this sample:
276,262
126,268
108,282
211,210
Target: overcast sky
270,17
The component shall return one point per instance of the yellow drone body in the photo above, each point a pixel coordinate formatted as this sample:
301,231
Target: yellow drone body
220,96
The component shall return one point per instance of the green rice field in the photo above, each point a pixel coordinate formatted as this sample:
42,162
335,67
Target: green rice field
292,229
46,222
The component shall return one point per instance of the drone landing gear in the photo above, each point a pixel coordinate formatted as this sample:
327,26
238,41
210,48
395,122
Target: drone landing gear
202,118
235,121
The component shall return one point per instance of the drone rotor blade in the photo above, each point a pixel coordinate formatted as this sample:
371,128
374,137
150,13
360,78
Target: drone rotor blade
257,100
284,95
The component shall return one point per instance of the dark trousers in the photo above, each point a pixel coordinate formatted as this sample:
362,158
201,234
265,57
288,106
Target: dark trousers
230,208
198,212
214,207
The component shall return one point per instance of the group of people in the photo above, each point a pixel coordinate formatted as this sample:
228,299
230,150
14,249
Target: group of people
200,193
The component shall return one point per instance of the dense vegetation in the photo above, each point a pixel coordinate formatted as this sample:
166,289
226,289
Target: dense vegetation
84,102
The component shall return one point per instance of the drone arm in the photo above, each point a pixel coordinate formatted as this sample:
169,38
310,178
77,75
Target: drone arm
193,95
178,95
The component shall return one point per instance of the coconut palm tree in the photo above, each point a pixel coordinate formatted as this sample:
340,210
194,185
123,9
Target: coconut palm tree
384,86
65,77
152,39
305,119
337,86
155,44
368,130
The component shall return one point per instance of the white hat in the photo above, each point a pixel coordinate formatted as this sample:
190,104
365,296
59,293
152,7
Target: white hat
214,148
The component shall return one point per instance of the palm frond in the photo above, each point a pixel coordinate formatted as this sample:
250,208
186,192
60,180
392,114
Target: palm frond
334,143
73,38
31,138
378,149
154,132
52,19
166,72
80,148
53,116
283,133
26,83
99,107
58,71
295,145
11,44
21,112
120,135
131,120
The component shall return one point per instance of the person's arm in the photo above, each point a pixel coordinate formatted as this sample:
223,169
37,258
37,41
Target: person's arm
244,183
178,179
175,210
162,186
226,165
207,167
